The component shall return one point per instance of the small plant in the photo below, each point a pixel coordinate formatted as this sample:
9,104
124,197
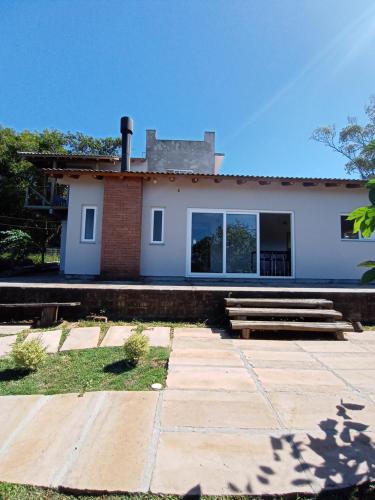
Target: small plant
17,242
28,355
136,347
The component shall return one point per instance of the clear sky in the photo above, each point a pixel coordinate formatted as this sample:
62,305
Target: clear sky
261,73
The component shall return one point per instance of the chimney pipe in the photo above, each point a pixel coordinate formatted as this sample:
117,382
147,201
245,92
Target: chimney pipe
126,133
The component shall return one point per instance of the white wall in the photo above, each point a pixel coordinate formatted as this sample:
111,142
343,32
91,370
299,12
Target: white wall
83,258
319,251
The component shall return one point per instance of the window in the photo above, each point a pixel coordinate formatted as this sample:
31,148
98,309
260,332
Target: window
347,233
88,228
157,225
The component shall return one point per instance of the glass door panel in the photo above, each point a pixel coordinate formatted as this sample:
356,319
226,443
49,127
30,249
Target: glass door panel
207,242
241,243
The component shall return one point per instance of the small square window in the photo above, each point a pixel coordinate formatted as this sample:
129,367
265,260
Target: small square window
157,225
88,228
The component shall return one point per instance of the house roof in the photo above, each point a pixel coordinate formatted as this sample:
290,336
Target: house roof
241,179
75,156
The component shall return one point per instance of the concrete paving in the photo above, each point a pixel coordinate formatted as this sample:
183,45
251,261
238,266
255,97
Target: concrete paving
158,336
6,345
13,329
117,335
81,338
284,417
49,339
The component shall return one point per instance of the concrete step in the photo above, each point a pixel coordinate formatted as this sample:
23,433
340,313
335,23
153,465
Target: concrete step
237,312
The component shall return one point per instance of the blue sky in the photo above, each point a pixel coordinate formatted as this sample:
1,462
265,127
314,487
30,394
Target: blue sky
261,73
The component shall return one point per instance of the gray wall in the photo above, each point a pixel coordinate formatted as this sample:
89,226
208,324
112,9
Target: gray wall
83,258
198,156
319,251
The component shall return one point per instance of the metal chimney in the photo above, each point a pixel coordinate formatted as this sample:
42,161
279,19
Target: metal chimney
126,133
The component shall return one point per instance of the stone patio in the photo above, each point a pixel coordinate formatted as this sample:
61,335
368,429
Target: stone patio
237,417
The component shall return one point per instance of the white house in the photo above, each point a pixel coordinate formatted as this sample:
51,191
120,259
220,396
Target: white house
172,214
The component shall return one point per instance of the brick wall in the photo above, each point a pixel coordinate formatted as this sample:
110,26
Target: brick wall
121,233
166,303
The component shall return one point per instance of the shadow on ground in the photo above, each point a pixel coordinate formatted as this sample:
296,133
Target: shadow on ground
339,457
13,374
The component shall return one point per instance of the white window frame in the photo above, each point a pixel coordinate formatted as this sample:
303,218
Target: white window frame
360,237
189,273
83,223
153,210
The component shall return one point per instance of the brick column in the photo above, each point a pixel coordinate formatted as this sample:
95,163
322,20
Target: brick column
121,228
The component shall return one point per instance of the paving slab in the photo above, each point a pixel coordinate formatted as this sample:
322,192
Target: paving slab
200,333
114,455
369,346
199,343
13,329
366,336
117,335
285,359
337,460
202,357
49,339
81,338
41,449
6,344
242,410
329,346
266,345
224,464
363,380
210,378
159,336
347,361
292,379
309,411
13,410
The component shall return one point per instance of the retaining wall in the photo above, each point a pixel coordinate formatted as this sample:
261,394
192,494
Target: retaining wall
184,303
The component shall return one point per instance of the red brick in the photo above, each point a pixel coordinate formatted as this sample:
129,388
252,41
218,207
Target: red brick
121,233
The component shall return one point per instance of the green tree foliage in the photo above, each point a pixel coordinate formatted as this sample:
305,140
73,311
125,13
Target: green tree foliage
355,142
364,222
17,243
16,174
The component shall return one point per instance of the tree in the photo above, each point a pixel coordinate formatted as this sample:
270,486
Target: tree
17,243
364,221
16,174
355,142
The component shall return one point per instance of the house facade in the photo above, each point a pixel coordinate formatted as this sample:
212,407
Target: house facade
173,215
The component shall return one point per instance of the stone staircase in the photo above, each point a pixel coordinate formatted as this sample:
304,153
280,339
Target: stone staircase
291,315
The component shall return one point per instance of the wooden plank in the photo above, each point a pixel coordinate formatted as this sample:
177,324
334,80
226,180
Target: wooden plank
43,304
310,326
270,302
269,311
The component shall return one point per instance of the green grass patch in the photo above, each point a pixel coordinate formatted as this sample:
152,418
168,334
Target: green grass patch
99,369
10,491
141,325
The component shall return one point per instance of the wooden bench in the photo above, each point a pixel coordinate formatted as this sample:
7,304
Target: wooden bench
49,311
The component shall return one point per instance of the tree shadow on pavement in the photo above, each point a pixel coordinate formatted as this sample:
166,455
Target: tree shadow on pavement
339,456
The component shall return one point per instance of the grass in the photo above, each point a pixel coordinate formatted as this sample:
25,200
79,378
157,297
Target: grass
98,369
141,325
14,491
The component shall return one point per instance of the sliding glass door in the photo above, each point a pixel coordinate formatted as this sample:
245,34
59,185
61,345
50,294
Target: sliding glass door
223,243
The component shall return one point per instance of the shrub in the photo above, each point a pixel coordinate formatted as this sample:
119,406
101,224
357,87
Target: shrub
17,242
136,347
28,355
